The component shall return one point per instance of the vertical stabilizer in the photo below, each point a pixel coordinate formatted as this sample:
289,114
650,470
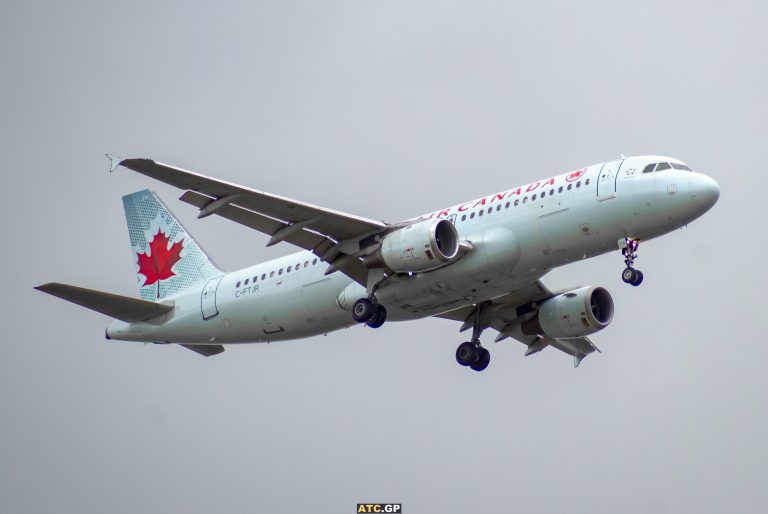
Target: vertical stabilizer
166,257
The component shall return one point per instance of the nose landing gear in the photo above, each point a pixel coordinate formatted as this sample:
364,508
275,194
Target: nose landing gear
630,275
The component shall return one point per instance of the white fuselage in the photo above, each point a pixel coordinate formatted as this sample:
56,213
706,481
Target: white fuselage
517,236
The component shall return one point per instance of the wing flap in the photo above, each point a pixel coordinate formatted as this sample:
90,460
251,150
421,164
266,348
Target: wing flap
315,243
303,238
119,307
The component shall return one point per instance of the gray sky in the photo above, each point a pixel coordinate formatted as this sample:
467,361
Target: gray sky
387,110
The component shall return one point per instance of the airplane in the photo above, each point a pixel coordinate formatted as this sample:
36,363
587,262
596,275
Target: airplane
479,263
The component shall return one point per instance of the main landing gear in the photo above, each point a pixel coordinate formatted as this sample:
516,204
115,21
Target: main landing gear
630,275
368,311
472,353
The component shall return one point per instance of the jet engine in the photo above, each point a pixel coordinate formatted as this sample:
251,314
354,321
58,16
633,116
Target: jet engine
423,246
576,313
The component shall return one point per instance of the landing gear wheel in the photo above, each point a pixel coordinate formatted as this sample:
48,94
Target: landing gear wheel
466,353
629,275
363,310
629,250
482,360
378,318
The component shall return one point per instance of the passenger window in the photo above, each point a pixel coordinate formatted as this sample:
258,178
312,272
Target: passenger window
543,194
280,271
490,210
525,200
246,281
314,261
289,269
298,266
533,198
680,166
464,217
472,215
649,168
264,276
306,263
498,207
570,186
507,206
578,184
586,182
238,284
551,192
255,278
480,213
517,202
560,189
271,274
663,166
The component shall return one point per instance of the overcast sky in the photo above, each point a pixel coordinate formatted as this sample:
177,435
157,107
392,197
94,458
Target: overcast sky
387,110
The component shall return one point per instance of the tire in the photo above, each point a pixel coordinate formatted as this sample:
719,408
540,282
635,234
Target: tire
363,310
378,318
466,353
638,278
482,361
628,275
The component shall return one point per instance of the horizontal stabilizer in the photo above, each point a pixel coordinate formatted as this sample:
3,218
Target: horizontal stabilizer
206,350
119,307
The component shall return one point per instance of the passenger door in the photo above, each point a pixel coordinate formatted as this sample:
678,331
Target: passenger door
208,298
606,180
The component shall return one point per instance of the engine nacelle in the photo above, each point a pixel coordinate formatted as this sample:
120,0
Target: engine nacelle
423,246
576,313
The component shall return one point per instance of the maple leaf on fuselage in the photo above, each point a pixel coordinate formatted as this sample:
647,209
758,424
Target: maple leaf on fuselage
157,266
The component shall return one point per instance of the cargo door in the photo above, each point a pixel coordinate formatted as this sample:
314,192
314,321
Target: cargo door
559,231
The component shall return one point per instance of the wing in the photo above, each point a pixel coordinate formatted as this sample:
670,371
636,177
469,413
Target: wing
505,314
332,235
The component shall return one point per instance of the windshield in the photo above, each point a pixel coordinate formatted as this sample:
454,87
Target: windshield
661,166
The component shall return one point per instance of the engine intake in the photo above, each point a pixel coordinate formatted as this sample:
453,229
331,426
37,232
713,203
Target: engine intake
423,246
577,313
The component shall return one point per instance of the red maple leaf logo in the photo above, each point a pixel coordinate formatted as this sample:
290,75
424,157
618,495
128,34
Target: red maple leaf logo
576,174
157,266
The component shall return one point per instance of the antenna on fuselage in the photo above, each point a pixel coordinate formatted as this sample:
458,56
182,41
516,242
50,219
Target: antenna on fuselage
622,157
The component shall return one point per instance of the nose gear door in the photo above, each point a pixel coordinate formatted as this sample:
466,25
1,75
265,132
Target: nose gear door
606,180
208,298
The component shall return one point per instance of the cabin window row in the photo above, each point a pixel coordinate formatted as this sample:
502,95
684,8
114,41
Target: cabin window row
524,200
272,273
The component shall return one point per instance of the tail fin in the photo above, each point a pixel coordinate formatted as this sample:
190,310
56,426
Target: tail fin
167,259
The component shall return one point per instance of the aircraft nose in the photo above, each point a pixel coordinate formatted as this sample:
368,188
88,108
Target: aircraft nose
704,191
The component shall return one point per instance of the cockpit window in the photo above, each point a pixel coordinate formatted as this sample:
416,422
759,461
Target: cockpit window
660,166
